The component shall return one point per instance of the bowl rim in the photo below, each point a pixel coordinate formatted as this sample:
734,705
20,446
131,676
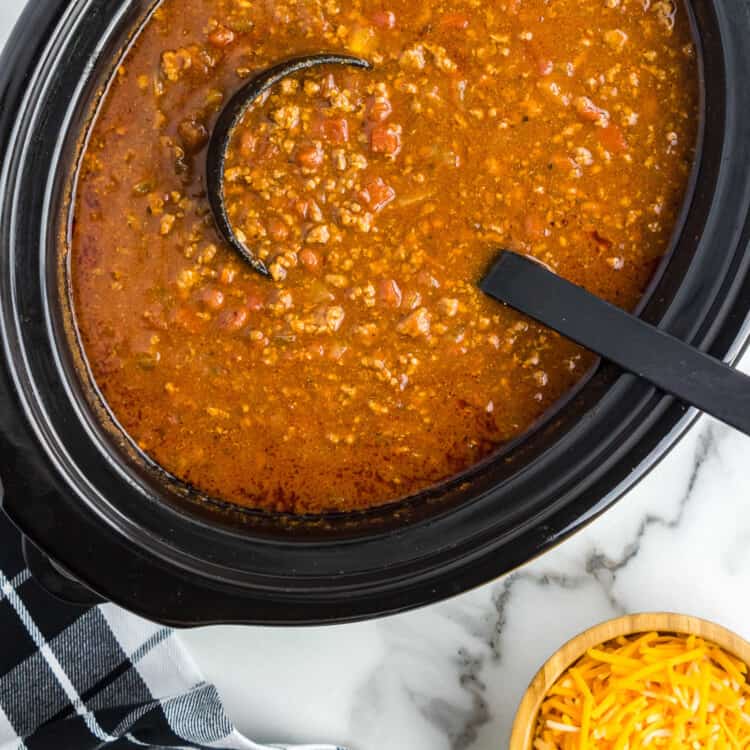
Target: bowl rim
572,650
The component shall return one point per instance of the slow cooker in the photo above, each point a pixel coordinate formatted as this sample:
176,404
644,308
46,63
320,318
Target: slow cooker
101,522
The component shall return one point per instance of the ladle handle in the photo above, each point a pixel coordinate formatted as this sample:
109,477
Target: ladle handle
666,362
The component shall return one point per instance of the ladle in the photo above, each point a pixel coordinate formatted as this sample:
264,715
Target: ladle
648,352
229,118
526,285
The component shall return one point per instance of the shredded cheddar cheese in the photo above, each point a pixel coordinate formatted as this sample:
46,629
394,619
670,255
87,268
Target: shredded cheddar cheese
660,691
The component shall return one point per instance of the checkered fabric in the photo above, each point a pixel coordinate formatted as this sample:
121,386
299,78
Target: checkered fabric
74,678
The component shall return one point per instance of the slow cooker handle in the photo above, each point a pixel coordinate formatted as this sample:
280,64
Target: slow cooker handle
55,581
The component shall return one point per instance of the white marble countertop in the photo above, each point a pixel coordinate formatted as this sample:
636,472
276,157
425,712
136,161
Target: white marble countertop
449,677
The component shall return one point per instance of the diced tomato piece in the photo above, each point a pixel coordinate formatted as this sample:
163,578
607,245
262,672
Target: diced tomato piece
379,109
227,275
544,67
278,231
331,129
613,139
385,139
587,110
212,298
538,58
328,84
384,19
254,303
221,36
303,208
454,22
426,279
562,161
267,150
248,144
232,320
309,259
310,156
377,194
389,293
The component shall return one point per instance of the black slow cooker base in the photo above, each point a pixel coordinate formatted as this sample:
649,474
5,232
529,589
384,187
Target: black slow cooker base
110,520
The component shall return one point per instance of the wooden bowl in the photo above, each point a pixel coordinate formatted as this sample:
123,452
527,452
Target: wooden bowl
522,735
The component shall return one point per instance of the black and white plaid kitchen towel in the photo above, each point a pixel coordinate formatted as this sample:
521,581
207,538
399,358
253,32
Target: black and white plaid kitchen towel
74,678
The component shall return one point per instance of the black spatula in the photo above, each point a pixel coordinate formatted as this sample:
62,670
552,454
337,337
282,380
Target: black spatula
666,362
